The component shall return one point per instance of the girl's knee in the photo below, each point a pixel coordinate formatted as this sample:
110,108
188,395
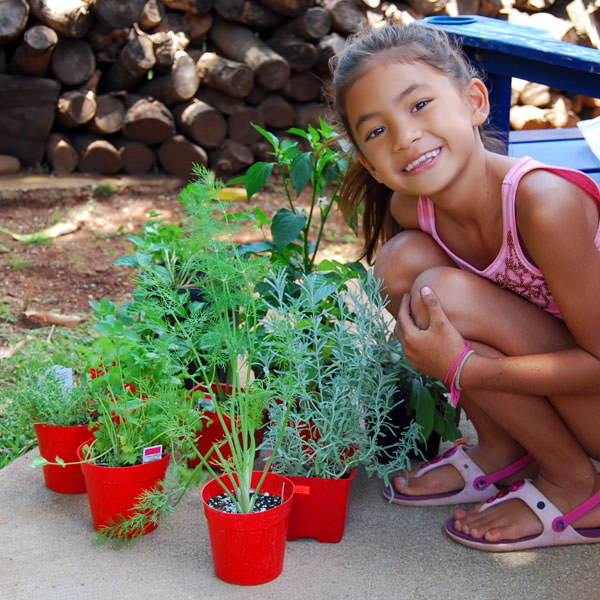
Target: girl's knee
403,258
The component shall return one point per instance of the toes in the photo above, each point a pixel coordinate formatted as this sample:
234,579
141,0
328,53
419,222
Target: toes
400,483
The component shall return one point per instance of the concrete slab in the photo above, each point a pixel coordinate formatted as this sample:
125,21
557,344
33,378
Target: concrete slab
47,552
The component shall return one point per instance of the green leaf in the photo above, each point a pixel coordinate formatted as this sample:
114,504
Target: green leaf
257,176
256,247
300,170
273,139
128,261
286,227
39,461
261,218
425,409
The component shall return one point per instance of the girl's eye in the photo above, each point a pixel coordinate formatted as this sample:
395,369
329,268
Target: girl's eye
374,133
420,105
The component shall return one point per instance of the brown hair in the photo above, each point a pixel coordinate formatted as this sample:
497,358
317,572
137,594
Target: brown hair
401,44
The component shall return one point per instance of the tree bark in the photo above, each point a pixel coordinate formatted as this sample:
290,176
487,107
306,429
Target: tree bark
314,24
13,19
183,78
33,55
183,5
299,53
166,45
137,158
29,151
277,112
240,125
118,13
228,76
240,43
73,62
177,155
18,91
97,155
222,102
303,87
107,43
135,60
346,16
328,47
152,14
72,18
148,121
309,114
9,165
197,26
248,12
231,157
61,154
110,114
289,8
201,122
75,107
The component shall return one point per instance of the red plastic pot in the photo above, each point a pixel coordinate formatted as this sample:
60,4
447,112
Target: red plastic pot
213,433
114,491
320,508
55,440
249,549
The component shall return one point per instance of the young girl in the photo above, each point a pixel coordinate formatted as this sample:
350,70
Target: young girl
492,266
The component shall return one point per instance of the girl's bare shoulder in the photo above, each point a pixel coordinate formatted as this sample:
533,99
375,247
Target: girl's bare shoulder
546,199
404,210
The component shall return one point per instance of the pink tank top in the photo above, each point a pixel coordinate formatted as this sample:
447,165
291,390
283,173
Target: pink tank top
511,269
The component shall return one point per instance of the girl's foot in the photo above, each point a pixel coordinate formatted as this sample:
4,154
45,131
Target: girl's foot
513,519
460,475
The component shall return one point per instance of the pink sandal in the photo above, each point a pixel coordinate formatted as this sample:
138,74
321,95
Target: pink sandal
557,527
478,486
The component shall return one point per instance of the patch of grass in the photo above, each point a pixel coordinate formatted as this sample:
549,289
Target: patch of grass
104,190
19,263
64,347
6,314
101,235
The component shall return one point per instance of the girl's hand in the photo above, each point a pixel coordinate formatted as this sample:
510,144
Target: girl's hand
433,349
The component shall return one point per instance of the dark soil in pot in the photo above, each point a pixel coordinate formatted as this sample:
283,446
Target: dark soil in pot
263,502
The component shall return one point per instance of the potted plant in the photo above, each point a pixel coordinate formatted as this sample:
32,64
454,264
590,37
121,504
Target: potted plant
154,336
325,347
420,399
62,414
316,161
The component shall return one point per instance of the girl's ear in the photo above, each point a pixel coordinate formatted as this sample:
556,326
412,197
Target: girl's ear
368,166
477,95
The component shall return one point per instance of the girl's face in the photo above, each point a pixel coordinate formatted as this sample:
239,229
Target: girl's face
415,129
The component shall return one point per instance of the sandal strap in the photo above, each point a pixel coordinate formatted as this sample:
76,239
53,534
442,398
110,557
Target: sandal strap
562,522
483,482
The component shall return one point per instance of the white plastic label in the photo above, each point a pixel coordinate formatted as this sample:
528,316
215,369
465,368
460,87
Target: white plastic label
151,453
62,374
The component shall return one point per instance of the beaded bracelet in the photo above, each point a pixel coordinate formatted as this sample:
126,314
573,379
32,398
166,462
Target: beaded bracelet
459,363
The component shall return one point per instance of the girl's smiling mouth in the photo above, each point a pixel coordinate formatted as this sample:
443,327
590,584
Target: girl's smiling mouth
422,161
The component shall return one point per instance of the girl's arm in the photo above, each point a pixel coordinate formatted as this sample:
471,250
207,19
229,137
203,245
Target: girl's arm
557,224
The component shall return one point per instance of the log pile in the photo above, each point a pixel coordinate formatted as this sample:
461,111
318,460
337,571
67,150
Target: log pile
109,86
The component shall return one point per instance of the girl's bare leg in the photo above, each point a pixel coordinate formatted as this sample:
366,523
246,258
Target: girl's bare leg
399,263
560,432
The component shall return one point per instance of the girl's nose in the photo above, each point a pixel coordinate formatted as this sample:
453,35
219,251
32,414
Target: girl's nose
405,134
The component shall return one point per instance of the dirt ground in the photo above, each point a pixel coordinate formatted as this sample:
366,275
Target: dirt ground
62,275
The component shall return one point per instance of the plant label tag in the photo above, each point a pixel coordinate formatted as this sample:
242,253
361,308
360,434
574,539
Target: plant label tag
205,403
151,453
63,375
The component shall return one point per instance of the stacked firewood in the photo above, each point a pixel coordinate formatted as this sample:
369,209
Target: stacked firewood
133,86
